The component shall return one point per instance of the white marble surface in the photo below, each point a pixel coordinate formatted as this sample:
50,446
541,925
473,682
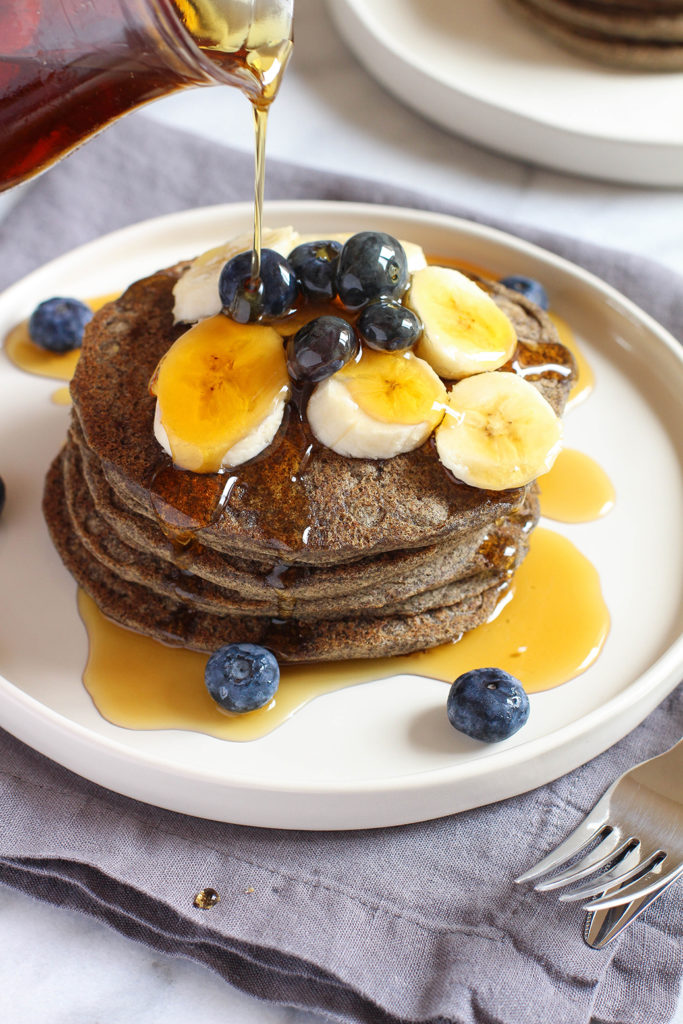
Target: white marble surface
59,967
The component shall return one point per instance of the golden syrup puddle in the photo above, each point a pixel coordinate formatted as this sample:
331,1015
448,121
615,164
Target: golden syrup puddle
139,683
576,490
62,396
28,356
31,358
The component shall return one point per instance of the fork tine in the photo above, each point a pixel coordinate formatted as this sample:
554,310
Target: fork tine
575,842
636,889
630,867
612,845
603,926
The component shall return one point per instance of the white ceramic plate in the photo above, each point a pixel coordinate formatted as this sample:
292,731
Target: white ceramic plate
478,70
381,753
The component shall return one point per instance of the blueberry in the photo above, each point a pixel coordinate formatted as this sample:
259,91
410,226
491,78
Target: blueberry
58,324
272,296
371,264
320,348
242,677
315,265
529,287
487,704
388,326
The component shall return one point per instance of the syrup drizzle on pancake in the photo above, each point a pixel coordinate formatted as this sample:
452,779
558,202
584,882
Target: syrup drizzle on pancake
585,381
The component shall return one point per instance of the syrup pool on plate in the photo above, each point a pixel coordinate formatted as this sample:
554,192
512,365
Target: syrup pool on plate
576,490
526,636
29,357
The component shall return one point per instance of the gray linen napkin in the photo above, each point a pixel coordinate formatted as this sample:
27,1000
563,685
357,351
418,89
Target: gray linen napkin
420,923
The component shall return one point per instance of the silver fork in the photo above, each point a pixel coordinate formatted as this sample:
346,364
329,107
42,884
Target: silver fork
634,840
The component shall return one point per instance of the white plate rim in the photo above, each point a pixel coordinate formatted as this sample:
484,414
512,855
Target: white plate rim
527,135
628,707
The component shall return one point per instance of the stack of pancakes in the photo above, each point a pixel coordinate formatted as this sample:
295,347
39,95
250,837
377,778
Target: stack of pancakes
311,554
645,35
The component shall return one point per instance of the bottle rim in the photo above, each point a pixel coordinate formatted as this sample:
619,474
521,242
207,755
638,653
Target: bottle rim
177,32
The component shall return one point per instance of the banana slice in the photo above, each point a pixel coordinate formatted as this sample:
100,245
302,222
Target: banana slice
464,330
378,406
221,391
196,292
415,256
498,432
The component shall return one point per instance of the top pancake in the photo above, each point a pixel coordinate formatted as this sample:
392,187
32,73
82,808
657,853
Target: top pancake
303,507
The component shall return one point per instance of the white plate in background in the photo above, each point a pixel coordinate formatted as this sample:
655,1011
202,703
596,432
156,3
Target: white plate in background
479,71
381,753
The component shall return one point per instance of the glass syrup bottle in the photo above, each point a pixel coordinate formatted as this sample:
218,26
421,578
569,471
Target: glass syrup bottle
68,68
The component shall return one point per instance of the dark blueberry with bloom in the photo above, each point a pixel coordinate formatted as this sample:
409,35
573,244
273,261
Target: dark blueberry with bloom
320,348
487,704
58,324
315,265
273,296
371,264
529,287
242,677
389,326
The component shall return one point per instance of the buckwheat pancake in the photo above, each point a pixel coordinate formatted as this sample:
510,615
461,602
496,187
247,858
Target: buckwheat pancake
478,561
315,555
354,507
401,572
176,621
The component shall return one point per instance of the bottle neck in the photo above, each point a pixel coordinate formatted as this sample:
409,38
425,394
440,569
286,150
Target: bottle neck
177,44
227,42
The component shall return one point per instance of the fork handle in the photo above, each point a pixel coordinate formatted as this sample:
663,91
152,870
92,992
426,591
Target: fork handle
663,773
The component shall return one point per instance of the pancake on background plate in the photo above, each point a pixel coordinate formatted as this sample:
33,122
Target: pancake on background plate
645,35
